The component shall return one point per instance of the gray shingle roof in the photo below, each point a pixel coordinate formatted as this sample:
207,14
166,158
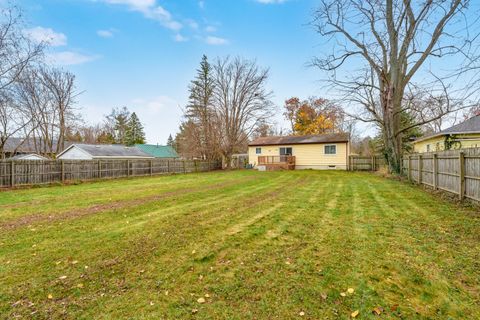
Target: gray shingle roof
471,125
307,139
112,150
25,145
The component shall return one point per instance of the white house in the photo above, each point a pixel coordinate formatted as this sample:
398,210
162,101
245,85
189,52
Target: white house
102,151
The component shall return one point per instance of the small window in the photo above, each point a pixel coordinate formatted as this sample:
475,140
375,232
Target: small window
286,151
428,148
331,149
258,150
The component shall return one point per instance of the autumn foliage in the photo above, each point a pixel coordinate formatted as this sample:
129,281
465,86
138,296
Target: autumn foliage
313,116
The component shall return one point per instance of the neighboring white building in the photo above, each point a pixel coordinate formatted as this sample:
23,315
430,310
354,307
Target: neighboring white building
29,156
102,151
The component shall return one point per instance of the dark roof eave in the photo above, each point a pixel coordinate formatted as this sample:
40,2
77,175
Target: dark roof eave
295,143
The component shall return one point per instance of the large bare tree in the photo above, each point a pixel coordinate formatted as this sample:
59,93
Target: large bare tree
241,102
17,52
382,51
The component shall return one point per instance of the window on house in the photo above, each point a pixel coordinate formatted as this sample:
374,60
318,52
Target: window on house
258,150
286,151
428,148
331,149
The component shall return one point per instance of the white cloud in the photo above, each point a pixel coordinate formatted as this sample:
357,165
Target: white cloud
216,41
210,29
192,24
105,33
179,38
46,35
150,10
67,58
271,1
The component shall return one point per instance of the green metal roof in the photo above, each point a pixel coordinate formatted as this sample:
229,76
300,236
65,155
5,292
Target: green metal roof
158,151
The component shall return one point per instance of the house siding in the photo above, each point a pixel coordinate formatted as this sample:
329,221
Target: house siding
75,154
307,156
438,143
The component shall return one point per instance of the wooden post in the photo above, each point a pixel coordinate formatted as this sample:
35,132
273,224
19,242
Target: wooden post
168,166
461,159
63,171
99,169
128,168
373,163
435,171
184,167
12,173
410,168
195,164
420,168
151,167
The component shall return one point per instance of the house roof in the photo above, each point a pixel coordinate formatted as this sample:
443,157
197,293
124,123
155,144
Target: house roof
109,150
23,156
22,145
308,139
158,151
471,125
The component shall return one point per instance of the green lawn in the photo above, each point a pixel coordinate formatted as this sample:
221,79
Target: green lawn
276,245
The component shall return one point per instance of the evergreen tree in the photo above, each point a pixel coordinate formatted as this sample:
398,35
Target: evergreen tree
117,123
134,133
170,142
200,114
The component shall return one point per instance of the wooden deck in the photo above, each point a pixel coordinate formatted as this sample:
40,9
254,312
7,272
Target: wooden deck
272,163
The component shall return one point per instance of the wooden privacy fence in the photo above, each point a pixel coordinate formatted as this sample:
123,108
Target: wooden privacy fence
366,163
455,171
29,172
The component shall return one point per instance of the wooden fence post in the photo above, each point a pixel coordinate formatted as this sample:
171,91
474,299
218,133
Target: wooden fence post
410,168
63,171
128,168
99,169
435,171
184,167
151,167
461,159
195,164
373,163
12,173
420,168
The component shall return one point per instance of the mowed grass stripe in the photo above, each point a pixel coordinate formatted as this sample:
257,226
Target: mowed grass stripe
264,245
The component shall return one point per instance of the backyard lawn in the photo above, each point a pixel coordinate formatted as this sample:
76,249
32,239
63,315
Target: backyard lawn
238,245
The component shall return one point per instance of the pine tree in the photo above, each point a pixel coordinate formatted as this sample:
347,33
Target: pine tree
134,133
170,142
199,111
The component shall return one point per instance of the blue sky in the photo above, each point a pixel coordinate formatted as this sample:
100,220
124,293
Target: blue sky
143,53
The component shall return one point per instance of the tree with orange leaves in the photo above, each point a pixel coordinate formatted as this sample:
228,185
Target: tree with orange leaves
313,116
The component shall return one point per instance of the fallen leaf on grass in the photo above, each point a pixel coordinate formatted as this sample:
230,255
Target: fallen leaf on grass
350,290
74,262
324,296
355,314
151,303
50,296
394,308
62,277
201,300
343,294
377,311
194,311
207,295
301,313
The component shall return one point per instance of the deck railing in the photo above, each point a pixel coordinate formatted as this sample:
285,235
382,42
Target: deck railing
265,160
